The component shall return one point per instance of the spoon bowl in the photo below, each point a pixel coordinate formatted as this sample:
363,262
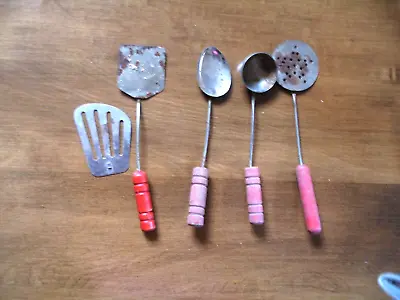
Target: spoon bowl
259,72
213,73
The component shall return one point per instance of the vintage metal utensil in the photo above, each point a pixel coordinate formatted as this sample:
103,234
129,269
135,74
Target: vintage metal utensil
214,79
105,134
141,75
259,76
297,71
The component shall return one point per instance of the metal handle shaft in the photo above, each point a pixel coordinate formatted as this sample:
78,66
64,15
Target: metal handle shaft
296,121
138,106
253,117
207,136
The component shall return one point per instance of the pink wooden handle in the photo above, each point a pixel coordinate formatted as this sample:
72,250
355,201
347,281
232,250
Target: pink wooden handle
310,208
198,197
254,195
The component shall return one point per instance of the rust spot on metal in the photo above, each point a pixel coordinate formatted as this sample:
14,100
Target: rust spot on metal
124,63
293,79
148,94
162,64
157,53
105,128
121,57
137,63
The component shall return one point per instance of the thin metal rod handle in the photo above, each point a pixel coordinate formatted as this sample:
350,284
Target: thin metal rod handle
253,117
296,121
138,107
207,136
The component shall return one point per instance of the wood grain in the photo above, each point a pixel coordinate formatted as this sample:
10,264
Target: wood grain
67,235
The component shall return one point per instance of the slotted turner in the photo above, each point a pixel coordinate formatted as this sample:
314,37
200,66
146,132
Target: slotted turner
105,133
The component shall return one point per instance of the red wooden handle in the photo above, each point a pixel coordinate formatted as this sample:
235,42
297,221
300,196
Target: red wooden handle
143,201
310,208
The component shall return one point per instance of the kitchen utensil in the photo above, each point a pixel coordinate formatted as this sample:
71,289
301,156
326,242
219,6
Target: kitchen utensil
298,71
390,283
214,79
105,134
141,75
259,76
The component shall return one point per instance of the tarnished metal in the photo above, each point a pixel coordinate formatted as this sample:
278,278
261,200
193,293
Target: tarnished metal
141,72
259,75
214,78
141,75
297,65
259,72
213,73
105,134
297,71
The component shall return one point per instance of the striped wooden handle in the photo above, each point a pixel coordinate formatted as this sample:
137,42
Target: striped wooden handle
254,195
143,201
198,197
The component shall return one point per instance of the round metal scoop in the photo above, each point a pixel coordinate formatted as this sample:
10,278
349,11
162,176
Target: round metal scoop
259,76
259,72
297,65
298,71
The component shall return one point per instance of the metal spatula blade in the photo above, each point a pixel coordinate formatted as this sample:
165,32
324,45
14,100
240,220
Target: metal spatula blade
105,134
141,71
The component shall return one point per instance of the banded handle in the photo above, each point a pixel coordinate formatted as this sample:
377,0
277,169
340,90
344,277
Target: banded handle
307,195
198,197
254,195
143,201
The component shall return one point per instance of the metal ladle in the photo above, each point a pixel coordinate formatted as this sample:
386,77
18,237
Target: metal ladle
214,79
259,76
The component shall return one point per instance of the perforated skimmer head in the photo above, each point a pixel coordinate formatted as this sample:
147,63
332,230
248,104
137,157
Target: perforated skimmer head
297,65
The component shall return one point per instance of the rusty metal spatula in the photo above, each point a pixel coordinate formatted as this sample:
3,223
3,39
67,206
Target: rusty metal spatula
105,133
141,75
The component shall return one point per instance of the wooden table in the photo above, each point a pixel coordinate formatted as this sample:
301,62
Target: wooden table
67,235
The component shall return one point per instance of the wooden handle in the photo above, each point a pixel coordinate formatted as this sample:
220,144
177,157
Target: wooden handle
310,208
254,195
143,201
198,197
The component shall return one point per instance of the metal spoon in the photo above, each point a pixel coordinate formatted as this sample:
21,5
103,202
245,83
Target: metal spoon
259,76
214,79
297,71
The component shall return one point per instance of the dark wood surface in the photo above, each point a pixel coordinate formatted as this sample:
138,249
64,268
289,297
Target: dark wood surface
67,235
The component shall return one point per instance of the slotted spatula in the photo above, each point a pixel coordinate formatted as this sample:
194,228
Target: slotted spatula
105,133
